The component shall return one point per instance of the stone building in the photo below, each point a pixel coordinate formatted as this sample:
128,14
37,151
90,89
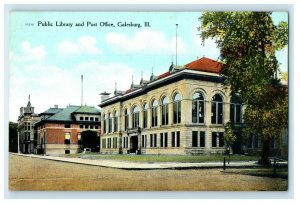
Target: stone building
61,130
182,111
26,131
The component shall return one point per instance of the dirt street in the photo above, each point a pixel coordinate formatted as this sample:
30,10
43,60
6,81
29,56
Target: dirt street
27,173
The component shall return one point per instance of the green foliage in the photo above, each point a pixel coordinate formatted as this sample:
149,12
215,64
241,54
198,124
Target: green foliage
229,137
247,42
13,137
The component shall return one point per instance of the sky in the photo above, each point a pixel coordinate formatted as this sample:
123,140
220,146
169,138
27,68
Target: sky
46,62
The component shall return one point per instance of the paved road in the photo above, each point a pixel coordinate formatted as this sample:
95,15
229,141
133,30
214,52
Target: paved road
28,173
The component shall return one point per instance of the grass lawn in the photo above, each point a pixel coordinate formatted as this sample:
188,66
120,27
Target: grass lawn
165,158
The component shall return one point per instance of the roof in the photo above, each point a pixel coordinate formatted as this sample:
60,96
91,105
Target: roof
205,64
52,111
164,75
87,109
65,114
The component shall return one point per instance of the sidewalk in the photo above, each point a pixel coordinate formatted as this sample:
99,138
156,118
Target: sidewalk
144,166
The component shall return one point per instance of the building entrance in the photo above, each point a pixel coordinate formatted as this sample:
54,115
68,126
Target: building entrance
134,144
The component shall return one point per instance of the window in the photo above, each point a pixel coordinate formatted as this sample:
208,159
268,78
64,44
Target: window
161,140
154,113
91,118
104,143
151,140
202,138
109,123
195,139
145,114
235,110
165,111
144,141
126,119
86,127
115,121
178,139
67,151
217,136
96,119
177,108
115,140
79,138
166,139
217,109
173,139
155,140
86,118
91,127
81,126
198,108
81,118
105,124
67,138
96,127
135,117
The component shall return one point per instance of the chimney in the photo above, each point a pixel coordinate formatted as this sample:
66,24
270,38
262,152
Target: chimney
104,96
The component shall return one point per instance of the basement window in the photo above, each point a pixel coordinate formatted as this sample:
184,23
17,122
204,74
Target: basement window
67,151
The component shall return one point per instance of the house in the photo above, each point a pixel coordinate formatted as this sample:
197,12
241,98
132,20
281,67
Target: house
68,130
26,132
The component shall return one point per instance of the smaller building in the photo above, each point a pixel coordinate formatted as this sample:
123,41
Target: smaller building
61,130
26,131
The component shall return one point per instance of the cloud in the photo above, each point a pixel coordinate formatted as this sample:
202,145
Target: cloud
147,41
83,45
50,84
28,53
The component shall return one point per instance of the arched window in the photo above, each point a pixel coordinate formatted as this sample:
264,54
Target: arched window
235,109
135,117
177,108
198,108
109,123
154,113
165,111
145,114
217,109
115,121
126,123
105,123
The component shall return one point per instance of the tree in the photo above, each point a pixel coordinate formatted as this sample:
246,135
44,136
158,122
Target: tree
13,137
248,42
229,137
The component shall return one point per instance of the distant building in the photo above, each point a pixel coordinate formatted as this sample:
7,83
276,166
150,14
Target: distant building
61,130
26,131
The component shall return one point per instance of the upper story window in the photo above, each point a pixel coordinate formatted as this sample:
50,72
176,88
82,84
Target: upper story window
235,110
105,124
165,111
67,125
81,118
109,123
135,117
154,113
96,119
126,123
217,109
145,116
115,121
86,118
177,108
198,108
91,118
67,138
